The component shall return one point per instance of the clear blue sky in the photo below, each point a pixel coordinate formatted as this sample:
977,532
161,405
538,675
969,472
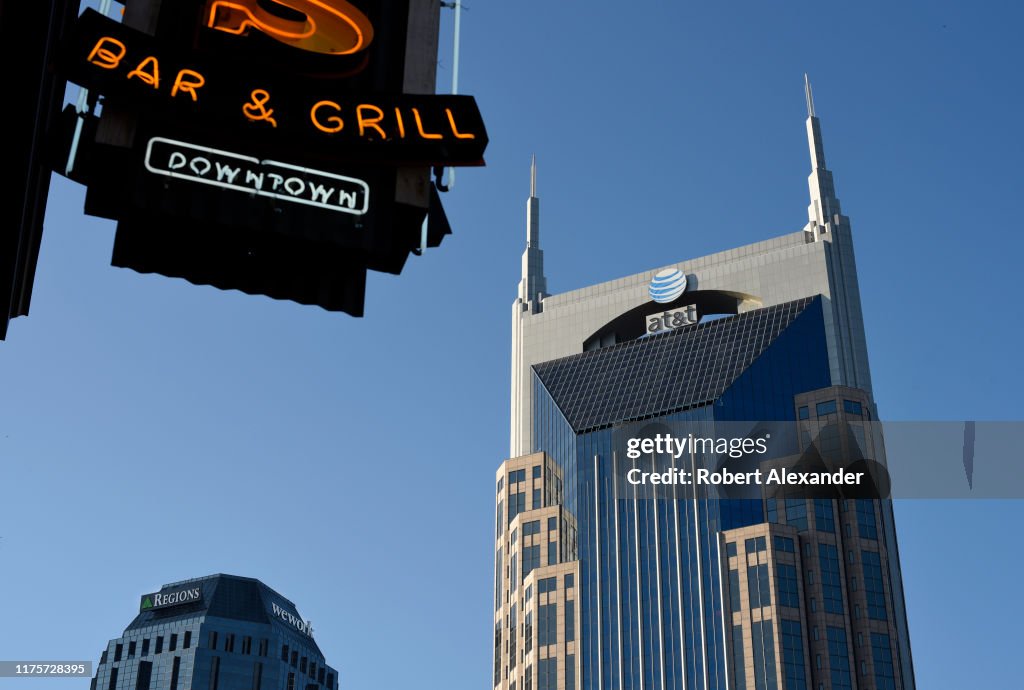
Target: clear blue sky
152,430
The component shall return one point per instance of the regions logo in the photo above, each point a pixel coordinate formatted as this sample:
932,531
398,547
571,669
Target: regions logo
667,285
161,600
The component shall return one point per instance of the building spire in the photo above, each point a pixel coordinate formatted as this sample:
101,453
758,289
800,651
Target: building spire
533,209
809,96
824,207
534,286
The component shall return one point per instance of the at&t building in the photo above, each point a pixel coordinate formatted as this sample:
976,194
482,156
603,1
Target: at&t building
597,589
220,632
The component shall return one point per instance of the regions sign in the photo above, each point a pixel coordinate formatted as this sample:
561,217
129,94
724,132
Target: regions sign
163,600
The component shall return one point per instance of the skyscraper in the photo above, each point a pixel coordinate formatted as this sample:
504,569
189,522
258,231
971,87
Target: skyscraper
220,632
679,590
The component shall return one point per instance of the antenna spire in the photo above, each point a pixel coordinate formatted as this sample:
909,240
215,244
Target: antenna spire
534,286
824,208
809,95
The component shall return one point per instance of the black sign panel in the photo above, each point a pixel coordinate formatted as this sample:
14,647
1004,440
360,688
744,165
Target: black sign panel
309,117
236,153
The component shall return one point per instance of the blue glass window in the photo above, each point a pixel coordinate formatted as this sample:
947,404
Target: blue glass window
839,658
547,624
516,504
873,586
784,544
570,620
764,656
881,654
497,653
512,626
824,521
757,586
734,590
498,584
738,664
853,407
789,593
824,408
796,513
866,526
803,412
793,655
831,584
531,559
756,544
730,549
547,674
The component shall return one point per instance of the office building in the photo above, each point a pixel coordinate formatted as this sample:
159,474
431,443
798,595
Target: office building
220,632
680,591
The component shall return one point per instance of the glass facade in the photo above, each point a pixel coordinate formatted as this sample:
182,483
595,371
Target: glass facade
831,581
873,585
793,655
239,634
839,659
650,605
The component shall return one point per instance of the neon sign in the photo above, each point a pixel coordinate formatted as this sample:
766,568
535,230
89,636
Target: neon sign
333,27
282,181
290,111
268,146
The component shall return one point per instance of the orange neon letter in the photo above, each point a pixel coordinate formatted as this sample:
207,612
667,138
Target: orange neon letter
335,123
455,130
401,124
152,77
104,57
419,126
365,122
183,84
333,27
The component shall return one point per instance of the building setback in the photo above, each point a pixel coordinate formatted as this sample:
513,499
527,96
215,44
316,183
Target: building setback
220,632
678,590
